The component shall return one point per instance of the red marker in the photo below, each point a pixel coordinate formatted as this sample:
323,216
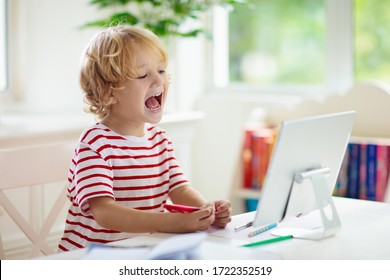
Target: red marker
180,208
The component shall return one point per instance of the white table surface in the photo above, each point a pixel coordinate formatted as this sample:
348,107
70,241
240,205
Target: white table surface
365,235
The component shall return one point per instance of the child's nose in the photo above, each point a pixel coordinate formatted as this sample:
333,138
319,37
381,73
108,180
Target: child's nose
158,79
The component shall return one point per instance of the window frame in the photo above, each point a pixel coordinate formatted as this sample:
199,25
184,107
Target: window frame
339,55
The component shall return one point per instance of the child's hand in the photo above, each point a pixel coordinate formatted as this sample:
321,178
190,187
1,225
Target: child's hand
199,220
223,212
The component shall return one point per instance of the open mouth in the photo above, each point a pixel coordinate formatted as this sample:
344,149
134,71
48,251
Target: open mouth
153,103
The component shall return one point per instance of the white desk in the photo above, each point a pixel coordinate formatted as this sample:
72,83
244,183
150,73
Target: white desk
365,235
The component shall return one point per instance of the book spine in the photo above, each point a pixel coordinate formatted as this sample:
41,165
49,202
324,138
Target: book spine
247,159
259,161
382,171
342,180
255,163
353,170
363,171
371,171
256,150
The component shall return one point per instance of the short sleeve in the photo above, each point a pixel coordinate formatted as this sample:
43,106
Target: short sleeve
92,177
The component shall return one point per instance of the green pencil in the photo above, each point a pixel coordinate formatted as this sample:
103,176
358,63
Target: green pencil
267,241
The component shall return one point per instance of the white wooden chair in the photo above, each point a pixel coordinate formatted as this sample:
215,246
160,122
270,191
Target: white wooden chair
27,167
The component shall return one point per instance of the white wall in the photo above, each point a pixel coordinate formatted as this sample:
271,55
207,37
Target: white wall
45,46
218,144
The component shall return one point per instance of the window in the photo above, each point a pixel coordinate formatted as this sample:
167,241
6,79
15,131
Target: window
3,46
269,42
372,39
320,44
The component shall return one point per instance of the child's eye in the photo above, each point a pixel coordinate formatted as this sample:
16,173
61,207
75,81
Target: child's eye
162,71
142,77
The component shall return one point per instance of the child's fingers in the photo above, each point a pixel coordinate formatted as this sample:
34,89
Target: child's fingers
222,205
222,222
204,213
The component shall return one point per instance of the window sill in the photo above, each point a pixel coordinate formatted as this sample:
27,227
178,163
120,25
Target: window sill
30,129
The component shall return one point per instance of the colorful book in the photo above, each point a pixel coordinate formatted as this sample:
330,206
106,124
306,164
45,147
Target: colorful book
342,180
260,156
365,171
256,150
362,170
382,171
371,171
353,170
247,159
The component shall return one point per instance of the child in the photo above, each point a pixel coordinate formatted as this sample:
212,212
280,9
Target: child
123,170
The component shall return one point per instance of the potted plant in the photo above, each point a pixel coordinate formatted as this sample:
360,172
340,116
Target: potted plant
164,17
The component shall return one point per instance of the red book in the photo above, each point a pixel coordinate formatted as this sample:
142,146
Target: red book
382,171
260,156
247,159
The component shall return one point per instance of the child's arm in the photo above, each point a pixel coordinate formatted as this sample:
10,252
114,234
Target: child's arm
187,196
114,216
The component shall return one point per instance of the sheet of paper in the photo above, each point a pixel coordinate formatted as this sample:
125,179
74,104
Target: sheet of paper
181,246
310,221
108,253
229,231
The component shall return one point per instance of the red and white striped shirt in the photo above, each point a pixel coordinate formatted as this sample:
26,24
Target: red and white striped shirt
138,172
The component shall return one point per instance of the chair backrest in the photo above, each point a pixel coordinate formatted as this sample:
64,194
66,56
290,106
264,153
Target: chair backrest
26,167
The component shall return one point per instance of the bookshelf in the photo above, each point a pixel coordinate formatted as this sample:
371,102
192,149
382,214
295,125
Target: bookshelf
370,100
256,151
364,173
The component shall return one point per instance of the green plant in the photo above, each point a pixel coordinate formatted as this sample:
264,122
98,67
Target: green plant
164,17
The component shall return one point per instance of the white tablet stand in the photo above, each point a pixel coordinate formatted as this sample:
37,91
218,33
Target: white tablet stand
330,223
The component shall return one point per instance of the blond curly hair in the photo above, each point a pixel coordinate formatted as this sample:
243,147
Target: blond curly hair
109,59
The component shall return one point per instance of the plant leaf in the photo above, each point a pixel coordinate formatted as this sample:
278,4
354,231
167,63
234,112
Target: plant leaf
123,18
163,17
